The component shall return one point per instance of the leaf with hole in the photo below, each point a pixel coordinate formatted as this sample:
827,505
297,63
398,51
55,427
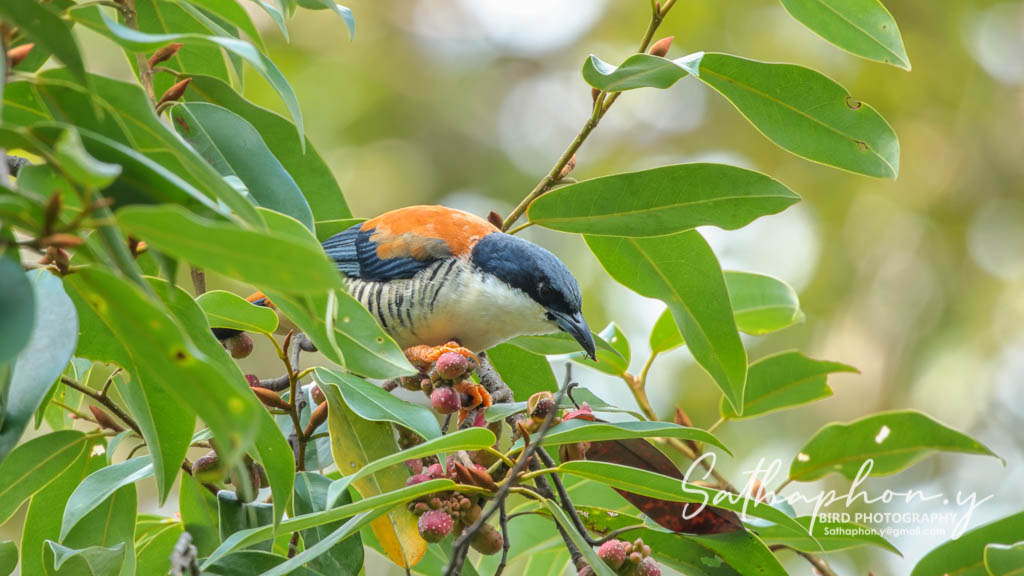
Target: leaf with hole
806,113
887,442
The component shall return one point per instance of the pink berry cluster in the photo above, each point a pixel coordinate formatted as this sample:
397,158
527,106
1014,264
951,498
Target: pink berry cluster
629,558
440,381
445,513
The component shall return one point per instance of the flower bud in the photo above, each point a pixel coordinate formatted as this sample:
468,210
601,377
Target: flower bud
435,525
682,419
445,400
104,419
317,395
318,417
660,48
174,93
19,53
270,398
164,54
495,219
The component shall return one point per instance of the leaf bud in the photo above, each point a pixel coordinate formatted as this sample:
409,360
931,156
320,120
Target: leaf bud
19,53
318,417
164,54
174,93
270,398
104,419
660,48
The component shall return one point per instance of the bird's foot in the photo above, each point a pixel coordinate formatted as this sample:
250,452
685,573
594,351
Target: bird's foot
424,356
478,395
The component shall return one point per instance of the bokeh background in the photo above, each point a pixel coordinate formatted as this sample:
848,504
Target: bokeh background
919,283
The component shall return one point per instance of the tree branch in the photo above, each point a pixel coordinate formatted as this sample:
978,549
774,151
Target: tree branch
602,102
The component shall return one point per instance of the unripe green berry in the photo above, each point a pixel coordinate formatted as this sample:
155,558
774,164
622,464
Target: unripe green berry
488,540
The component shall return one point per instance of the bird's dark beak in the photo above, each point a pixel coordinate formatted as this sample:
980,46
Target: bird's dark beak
576,326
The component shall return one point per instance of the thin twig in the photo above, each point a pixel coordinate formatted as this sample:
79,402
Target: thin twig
601,106
503,520
567,505
461,545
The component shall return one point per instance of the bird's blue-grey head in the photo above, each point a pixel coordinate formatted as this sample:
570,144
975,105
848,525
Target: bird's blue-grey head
541,275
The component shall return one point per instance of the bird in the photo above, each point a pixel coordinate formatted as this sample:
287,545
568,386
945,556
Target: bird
432,275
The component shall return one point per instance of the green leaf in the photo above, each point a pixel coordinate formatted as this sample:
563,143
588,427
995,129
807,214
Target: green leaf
253,256
784,380
250,562
1004,560
663,487
126,107
806,113
344,558
466,439
235,516
233,146
46,28
892,441
276,13
110,524
861,27
355,442
101,485
696,294
384,501
271,448
31,466
92,561
579,430
614,362
142,180
965,556
226,310
8,557
79,166
43,358
154,546
371,402
662,201
198,509
595,562
760,304
639,71
347,530
525,373
142,41
341,11
43,519
164,356
234,14
558,343
302,161
828,536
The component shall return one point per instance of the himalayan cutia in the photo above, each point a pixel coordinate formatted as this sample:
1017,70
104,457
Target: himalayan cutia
431,275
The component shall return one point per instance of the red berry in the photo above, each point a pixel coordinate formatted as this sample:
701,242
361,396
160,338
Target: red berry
648,567
445,400
613,552
415,465
451,365
240,346
433,471
317,395
416,479
434,525
253,380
